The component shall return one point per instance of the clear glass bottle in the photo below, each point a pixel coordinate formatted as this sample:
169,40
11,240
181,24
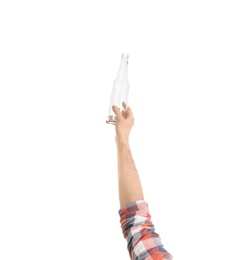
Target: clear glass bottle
120,90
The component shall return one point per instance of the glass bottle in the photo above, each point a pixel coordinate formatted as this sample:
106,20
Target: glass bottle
120,90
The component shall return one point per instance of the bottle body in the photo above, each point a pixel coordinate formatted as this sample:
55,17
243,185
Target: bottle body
120,90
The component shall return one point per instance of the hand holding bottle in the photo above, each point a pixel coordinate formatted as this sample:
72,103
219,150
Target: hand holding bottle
124,122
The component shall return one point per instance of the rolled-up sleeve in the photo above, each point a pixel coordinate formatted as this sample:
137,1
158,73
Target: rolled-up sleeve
142,240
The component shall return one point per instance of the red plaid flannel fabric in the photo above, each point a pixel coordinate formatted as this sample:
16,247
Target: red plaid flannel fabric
143,243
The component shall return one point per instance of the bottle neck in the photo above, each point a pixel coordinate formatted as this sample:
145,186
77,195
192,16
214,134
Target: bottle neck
123,70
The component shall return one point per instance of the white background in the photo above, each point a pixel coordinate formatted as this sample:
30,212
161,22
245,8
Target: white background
189,67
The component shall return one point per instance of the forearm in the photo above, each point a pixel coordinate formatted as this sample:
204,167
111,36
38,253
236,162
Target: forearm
129,184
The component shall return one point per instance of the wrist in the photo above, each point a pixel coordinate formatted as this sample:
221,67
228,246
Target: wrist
121,139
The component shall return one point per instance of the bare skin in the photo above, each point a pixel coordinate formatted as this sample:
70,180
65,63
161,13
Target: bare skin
129,184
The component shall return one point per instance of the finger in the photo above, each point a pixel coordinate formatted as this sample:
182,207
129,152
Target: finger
117,112
129,112
124,113
124,105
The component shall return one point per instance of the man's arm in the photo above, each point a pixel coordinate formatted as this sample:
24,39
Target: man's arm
130,188
135,219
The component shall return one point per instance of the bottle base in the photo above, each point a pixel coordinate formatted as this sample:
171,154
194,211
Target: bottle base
111,120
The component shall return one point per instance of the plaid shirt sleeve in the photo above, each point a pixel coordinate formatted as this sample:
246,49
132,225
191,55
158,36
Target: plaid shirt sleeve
143,243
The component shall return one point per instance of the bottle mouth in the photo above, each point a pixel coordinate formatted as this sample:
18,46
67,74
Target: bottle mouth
125,56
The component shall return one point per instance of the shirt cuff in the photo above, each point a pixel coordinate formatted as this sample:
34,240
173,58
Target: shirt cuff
133,206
